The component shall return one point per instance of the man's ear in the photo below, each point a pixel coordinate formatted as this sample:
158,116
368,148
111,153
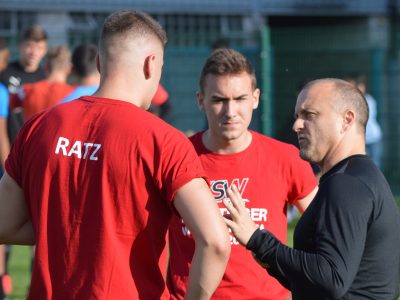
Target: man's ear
200,100
98,63
149,66
349,119
256,98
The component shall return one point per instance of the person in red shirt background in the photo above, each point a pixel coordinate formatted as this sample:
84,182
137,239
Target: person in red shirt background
38,96
160,104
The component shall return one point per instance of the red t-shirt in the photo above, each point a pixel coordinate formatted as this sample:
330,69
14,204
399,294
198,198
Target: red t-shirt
38,96
269,174
99,177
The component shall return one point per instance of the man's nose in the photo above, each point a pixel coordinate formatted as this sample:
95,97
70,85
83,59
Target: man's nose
230,108
298,125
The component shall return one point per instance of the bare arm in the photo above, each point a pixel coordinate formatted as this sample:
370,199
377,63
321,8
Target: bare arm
4,142
15,226
198,209
303,203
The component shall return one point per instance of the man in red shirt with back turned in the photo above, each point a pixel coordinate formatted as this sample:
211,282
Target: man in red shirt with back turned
95,181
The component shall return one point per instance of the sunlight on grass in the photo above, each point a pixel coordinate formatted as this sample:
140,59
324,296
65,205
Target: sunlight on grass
19,269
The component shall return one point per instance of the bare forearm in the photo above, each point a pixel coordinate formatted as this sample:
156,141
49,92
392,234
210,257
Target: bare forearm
22,236
15,225
207,269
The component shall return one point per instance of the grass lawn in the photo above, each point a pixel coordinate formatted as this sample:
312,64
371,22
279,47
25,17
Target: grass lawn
20,271
20,266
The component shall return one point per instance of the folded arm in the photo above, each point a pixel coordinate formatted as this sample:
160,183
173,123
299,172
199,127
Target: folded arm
15,225
198,209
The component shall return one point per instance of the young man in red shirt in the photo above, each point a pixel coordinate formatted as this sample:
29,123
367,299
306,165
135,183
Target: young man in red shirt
270,175
95,182
38,96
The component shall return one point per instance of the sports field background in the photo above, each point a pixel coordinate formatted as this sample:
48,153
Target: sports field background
20,265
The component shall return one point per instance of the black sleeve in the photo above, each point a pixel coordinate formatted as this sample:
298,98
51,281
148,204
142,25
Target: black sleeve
341,224
261,241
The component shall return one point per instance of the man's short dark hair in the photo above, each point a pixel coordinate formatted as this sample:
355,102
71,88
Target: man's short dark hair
225,61
58,58
84,60
34,33
135,22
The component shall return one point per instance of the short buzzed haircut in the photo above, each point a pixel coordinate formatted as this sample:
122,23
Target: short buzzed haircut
225,61
84,60
348,96
137,23
58,58
34,33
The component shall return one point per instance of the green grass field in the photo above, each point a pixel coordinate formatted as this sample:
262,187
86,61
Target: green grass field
20,271
20,266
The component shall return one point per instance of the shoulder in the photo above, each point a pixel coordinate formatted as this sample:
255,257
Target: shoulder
195,139
41,84
4,96
30,127
4,99
78,91
3,90
347,190
11,69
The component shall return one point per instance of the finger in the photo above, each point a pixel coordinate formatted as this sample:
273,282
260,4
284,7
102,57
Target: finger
230,207
236,198
229,223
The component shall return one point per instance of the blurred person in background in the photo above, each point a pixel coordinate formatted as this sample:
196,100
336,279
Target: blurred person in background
373,135
160,104
27,69
38,96
85,70
5,281
4,104
270,174
95,182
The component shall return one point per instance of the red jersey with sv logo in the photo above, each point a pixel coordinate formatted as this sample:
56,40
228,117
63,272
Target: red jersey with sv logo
99,176
269,175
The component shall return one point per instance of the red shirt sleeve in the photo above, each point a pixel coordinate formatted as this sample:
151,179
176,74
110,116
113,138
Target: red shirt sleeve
180,164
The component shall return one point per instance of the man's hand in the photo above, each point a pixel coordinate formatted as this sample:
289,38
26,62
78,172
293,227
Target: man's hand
239,220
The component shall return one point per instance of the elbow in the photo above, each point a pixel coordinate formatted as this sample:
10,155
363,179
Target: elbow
221,246
336,290
218,244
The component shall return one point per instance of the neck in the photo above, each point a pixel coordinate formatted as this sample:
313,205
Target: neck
29,68
346,148
220,145
90,80
112,87
57,77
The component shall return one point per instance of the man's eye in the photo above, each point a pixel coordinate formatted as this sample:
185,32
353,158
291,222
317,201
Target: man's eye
310,115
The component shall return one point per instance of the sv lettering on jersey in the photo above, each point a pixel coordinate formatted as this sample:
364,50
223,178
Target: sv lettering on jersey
81,150
218,187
